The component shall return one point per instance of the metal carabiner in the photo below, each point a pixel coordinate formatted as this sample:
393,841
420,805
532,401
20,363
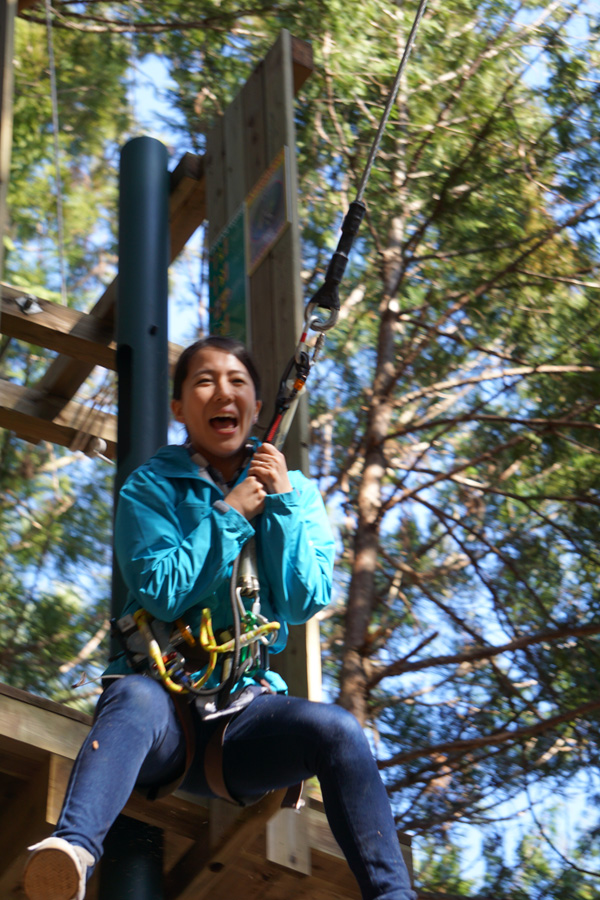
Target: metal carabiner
315,322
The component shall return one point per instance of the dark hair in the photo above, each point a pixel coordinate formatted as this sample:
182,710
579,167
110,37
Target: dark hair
226,345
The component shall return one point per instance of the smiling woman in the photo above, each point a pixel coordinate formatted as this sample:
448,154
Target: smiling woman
182,521
218,401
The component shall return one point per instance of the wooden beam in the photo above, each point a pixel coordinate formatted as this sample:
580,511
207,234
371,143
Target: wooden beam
187,205
24,814
187,211
302,62
36,417
55,327
202,867
40,724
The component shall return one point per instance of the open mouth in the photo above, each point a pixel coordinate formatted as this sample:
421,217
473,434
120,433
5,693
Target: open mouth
225,424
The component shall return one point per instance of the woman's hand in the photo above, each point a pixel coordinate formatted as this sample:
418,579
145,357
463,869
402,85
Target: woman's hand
248,497
268,465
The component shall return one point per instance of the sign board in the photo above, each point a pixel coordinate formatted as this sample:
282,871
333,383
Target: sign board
241,247
228,281
267,210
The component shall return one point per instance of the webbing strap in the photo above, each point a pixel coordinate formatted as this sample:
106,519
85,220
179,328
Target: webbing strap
213,763
213,772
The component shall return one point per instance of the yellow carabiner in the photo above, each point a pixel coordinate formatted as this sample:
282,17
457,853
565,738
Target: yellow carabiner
142,619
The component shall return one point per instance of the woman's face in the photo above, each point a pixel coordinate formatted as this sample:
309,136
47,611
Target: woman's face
218,406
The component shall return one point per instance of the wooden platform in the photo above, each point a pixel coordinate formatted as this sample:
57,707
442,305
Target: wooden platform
211,848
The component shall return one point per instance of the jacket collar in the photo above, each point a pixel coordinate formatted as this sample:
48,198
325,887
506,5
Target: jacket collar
175,461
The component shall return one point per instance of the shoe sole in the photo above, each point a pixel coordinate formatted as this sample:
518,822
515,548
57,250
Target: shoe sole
51,875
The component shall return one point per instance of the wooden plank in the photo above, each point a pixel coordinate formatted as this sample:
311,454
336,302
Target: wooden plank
40,727
22,822
284,260
64,376
58,778
276,298
17,761
254,158
234,139
216,189
27,699
35,417
302,61
56,327
187,211
64,330
254,163
187,203
202,869
175,814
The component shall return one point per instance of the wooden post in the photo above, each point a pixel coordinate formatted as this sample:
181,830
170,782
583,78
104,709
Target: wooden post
242,148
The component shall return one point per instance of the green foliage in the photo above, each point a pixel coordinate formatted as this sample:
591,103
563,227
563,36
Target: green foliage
55,515
93,115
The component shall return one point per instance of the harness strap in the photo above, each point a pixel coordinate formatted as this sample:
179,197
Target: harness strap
213,763
213,771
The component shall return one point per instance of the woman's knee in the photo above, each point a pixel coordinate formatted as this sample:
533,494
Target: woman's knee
332,726
343,725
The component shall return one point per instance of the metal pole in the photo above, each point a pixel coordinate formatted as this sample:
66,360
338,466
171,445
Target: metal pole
142,321
132,862
129,872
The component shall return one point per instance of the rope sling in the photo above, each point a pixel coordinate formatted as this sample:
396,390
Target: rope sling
244,646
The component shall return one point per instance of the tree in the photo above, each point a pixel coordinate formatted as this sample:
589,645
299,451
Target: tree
470,480
56,507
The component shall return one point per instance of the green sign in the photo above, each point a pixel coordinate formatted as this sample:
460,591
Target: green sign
227,281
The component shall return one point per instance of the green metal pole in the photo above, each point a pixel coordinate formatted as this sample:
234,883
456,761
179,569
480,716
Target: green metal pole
142,316
133,861
132,869
142,320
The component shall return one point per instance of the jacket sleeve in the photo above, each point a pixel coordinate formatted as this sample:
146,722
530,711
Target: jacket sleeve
173,558
296,551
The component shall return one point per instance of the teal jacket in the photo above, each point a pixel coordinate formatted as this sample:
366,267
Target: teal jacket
176,540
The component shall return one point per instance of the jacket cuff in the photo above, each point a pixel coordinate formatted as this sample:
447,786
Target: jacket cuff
234,517
289,500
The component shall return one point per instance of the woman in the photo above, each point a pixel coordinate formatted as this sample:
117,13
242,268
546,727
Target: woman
182,520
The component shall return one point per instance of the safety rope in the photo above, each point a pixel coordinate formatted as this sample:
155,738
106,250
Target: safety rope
391,99
327,297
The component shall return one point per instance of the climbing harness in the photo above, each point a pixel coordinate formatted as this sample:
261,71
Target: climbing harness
183,663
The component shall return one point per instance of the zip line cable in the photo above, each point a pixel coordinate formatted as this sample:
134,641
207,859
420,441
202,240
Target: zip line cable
57,178
391,99
327,297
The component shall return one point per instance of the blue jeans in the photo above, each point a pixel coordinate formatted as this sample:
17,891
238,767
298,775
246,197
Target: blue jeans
276,741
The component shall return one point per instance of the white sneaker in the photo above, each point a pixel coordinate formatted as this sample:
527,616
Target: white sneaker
56,870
